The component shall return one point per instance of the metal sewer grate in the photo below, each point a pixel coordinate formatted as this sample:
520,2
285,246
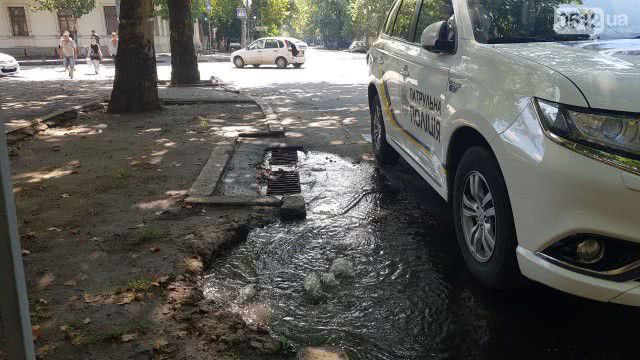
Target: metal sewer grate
283,182
284,156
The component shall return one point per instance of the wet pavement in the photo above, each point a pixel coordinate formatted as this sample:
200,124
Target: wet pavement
410,296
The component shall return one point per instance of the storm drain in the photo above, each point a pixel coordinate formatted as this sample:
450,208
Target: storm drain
284,156
283,182
281,175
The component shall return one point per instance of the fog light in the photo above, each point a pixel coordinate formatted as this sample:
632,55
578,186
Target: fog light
589,251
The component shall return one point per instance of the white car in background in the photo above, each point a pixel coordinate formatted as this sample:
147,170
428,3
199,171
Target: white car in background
8,65
531,134
277,51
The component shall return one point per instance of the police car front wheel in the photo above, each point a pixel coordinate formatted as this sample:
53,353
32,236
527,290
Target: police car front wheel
382,151
484,221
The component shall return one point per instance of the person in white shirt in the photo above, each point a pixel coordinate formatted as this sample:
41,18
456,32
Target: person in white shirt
113,45
68,52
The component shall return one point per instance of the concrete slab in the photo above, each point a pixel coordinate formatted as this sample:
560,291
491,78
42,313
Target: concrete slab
211,174
241,176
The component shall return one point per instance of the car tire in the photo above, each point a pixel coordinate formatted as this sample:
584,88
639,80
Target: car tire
297,66
382,150
482,214
281,63
256,65
238,62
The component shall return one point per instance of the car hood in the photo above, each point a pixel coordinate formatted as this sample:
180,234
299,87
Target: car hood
607,72
6,58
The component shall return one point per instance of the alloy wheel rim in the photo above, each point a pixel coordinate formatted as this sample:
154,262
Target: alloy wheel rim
478,216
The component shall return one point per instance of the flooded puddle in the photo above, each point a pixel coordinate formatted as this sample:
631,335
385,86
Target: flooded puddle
410,296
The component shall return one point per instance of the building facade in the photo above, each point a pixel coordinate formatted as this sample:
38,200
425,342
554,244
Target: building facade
26,32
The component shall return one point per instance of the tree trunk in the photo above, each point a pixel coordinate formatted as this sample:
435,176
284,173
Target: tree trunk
135,87
184,63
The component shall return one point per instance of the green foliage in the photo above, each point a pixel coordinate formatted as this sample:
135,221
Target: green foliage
367,17
301,23
223,17
270,13
197,7
76,8
337,22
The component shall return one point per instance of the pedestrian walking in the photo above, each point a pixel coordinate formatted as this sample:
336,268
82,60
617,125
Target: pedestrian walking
95,55
113,46
95,36
68,53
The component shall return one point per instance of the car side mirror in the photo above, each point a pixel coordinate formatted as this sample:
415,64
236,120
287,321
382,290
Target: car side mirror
435,38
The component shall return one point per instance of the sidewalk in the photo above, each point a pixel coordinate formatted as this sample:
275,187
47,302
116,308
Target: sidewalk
160,58
101,191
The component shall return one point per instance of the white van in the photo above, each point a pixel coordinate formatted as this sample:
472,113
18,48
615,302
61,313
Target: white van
277,51
526,119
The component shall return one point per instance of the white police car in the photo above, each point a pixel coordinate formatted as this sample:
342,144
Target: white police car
526,118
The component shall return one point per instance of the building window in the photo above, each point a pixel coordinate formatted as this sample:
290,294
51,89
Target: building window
67,23
18,21
111,19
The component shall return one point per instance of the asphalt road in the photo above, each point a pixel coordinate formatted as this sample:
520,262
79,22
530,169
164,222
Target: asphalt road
327,94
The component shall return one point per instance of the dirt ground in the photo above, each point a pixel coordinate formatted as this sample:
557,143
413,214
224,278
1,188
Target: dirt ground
112,255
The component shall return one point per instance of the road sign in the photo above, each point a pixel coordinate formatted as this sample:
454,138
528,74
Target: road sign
241,13
261,28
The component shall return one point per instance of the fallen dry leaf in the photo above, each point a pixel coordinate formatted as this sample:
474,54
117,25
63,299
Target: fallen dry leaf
42,351
129,337
154,249
127,298
159,343
86,321
71,283
88,298
54,229
26,252
65,195
36,331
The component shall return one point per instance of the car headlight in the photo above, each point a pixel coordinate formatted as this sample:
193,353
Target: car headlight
610,132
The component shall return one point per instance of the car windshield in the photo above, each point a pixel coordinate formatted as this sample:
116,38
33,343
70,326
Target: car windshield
518,21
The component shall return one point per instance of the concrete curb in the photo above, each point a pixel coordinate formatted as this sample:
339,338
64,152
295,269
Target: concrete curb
212,82
211,175
40,123
206,185
267,110
235,200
